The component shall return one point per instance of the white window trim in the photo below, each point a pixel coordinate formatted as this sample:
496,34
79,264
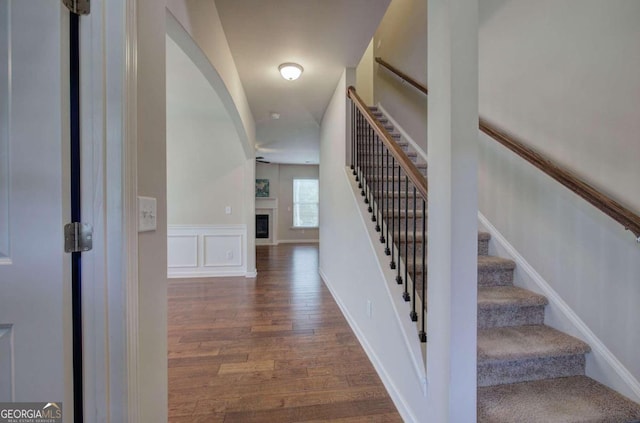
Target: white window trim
293,226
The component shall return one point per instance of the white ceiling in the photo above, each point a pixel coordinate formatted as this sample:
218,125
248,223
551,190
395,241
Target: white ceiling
324,36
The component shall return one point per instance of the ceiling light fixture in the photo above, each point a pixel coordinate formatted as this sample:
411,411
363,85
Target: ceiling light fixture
290,71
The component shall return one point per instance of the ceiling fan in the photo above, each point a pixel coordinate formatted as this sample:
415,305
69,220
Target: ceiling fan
260,159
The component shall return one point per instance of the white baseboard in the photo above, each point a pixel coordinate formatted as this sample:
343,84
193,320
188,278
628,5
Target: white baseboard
398,400
200,251
298,241
404,135
252,274
610,371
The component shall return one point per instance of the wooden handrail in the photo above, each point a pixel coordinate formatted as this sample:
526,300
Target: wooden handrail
402,75
404,161
601,201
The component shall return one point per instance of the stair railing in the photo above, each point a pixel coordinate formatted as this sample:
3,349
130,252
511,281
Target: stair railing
396,193
628,219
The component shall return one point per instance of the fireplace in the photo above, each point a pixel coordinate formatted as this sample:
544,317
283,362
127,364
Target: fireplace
262,226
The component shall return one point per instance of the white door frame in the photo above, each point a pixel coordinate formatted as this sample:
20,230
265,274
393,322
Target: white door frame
109,195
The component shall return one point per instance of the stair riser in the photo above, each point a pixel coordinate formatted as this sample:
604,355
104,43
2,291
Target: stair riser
367,167
397,219
483,247
390,186
483,244
501,278
389,127
365,149
510,316
399,200
392,217
380,156
495,277
500,373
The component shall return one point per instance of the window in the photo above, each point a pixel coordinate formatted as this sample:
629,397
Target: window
305,203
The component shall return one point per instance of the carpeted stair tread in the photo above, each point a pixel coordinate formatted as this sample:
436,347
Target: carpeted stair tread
401,194
495,263
386,178
376,153
508,296
561,400
526,371
484,236
487,267
419,236
401,213
410,236
501,306
523,342
366,163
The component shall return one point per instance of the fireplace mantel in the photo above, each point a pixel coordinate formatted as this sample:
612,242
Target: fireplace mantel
266,203
268,206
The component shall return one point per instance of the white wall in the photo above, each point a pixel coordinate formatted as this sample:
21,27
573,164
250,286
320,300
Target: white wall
453,198
152,182
205,172
364,75
195,26
401,40
349,265
281,178
563,76
201,21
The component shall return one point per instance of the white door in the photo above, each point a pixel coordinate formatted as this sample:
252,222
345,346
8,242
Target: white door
35,318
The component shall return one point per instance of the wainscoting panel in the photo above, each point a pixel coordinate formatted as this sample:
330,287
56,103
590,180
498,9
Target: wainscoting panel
206,251
182,251
222,250
6,364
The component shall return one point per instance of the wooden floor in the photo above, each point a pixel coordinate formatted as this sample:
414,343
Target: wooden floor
274,349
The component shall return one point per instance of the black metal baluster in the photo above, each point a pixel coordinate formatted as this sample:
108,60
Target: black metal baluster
399,277
393,211
360,160
422,334
384,170
368,174
374,181
353,138
376,211
405,294
365,151
381,148
413,314
387,251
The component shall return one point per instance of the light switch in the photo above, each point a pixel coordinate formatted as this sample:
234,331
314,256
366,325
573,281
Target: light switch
147,214
227,210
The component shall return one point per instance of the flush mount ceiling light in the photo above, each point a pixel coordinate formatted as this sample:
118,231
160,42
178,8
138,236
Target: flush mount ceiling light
290,71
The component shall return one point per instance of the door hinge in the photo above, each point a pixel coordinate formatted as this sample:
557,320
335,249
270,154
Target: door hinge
78,237
79,7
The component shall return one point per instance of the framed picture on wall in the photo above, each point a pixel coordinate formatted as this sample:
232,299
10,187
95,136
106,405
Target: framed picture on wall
262,188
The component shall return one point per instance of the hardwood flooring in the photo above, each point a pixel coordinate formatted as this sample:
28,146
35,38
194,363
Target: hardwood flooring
274,349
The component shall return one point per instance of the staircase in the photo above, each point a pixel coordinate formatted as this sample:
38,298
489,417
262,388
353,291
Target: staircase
527,371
